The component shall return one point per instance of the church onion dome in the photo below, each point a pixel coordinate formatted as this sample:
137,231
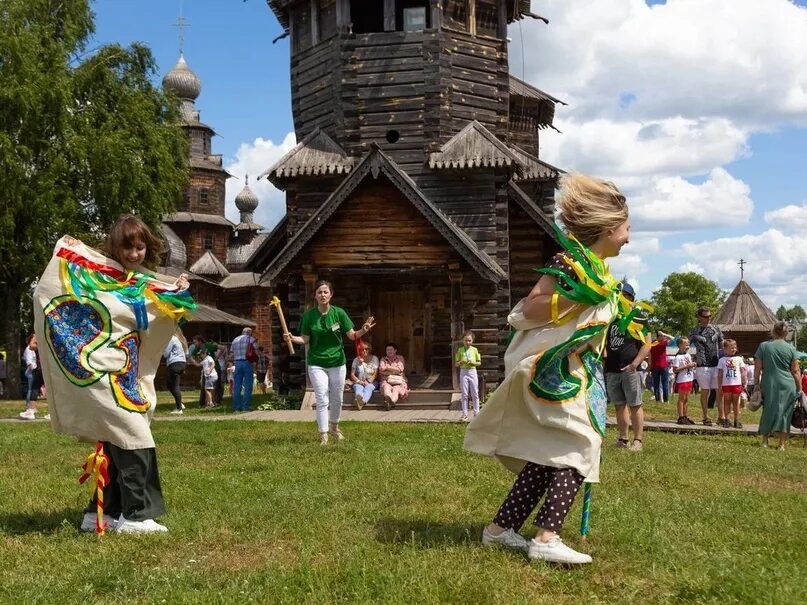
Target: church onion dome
182,81
246,201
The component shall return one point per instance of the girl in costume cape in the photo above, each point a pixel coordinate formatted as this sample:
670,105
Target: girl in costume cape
104,322
546,420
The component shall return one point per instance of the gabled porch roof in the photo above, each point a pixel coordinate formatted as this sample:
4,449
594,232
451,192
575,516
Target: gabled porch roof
374,163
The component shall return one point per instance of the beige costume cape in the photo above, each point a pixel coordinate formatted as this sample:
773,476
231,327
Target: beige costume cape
97,363
517,426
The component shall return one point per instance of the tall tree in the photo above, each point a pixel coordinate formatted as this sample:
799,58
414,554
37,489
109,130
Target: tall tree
677,300
84,136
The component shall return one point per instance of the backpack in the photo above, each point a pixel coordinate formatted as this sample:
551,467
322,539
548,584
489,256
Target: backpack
251,354
799,418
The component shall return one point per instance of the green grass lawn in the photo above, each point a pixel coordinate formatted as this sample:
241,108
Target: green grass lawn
258,512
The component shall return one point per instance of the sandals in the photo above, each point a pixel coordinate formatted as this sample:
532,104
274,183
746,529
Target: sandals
707,422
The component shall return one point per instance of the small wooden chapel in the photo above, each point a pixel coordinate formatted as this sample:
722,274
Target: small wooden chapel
416,186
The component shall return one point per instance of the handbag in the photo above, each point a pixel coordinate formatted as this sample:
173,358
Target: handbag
799,418
756,400
251,354
395,380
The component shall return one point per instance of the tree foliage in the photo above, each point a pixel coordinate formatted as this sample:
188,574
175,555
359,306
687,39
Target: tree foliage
795,313
677,300
84,137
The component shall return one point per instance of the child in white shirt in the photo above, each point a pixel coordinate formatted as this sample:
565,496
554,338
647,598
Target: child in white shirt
682,365
731,380
209,377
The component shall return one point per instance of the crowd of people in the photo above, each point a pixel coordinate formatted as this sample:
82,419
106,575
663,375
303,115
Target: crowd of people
707,364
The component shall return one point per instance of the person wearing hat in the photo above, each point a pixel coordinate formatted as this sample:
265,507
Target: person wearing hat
623,356
708,342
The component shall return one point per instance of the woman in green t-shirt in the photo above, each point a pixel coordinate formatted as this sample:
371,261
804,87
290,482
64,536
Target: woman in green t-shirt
322,329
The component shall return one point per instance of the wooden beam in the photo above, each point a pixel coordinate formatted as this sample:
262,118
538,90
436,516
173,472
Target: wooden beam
457,325
314,22
472,17
502,17
437,14
389,15
343,18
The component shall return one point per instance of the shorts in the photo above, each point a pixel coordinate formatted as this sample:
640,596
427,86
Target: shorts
706,377
732,389
684,387
210,381
624,388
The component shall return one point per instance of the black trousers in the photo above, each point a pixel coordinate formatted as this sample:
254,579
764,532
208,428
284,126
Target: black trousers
134,485
175,371
560,486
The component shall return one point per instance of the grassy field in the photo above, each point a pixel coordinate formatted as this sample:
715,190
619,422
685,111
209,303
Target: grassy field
258,512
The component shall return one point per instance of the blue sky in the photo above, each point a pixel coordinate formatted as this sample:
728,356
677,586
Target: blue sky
696,108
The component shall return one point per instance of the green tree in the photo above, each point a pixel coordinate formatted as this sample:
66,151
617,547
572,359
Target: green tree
84,137
677,300
781,313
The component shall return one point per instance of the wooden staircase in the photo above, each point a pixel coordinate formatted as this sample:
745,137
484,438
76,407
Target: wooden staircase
418,399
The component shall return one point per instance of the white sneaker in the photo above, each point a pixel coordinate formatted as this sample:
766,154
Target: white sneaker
336,433
28,414
90,519
176,412
46,417
464,418
148,526
323,438
508,538
183,406
556,551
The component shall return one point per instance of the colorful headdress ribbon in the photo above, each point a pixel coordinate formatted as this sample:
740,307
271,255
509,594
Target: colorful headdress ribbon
97,467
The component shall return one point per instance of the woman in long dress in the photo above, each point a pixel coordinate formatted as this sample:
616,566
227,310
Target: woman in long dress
546,420
777,363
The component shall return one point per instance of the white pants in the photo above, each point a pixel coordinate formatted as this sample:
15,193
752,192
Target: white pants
329,388
469,386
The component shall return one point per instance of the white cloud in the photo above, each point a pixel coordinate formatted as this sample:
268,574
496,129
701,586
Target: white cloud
642,244
252,159
776,264
674,204
692,58
788,218
690,268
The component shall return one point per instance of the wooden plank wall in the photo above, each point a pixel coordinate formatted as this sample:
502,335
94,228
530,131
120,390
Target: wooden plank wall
315,78
529,248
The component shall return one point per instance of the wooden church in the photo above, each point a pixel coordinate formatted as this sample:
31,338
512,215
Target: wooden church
416,186
745,318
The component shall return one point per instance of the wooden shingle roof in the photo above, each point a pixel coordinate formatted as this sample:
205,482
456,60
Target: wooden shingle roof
472,147
315,154
525,98
376,162
533,169
208,265
744,311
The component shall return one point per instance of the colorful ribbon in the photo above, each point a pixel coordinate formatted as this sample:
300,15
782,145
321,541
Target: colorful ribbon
584,520
83,278
97,466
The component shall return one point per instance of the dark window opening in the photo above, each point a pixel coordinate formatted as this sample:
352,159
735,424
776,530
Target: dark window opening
204,197
392,136
456,14
186,199
487,19
208,241
411,15
367,17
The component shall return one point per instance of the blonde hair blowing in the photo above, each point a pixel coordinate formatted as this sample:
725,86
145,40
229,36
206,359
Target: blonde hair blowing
588,206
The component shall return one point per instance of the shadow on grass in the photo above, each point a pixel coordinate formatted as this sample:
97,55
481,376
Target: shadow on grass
423,533
37,522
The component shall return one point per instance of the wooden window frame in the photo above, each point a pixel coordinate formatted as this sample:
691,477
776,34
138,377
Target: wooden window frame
204,197
208,238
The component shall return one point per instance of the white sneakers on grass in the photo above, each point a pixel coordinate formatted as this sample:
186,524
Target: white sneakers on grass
28,414
508,538
555,551
122,525
90,519
148,526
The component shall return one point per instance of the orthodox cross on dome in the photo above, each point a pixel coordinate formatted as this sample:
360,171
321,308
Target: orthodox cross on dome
181,23
742,264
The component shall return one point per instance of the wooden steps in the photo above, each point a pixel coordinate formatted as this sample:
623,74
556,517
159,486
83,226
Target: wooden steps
418,399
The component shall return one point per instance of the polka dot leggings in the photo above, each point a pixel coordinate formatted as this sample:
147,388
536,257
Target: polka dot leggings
560,486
